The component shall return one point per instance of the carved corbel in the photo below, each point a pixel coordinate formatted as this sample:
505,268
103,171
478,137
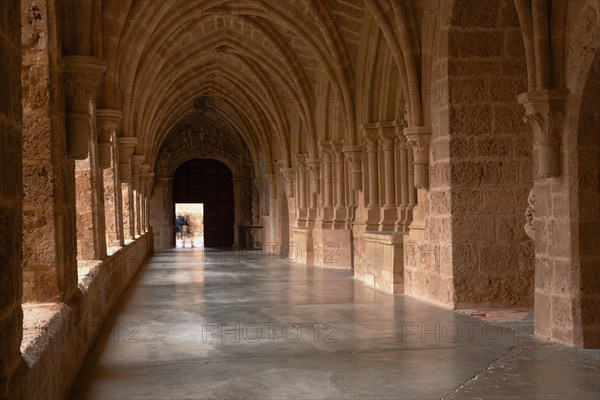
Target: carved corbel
82,77
544,111
108,121
419,137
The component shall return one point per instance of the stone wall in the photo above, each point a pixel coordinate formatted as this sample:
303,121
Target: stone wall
57,337
11,279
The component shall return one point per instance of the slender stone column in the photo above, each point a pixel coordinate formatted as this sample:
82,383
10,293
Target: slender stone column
419,137
301,185
402,187
108,121
340,187
370,135
148,192
144,170
126,148
314,170
238,182
387,137
82,76
328,178
136,163
354,156
338,156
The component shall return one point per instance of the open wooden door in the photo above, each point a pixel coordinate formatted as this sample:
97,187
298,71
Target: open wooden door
208,181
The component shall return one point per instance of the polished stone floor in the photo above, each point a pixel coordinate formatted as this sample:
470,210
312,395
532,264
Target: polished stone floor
201,324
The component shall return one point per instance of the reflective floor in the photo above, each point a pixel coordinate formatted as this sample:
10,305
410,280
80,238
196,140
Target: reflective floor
201,324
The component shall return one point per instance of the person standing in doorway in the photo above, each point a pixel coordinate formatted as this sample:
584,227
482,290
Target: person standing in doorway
179,223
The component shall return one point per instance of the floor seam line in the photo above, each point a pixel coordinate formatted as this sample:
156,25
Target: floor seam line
478,374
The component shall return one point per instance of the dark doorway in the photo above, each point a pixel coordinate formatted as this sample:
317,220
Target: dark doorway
208,181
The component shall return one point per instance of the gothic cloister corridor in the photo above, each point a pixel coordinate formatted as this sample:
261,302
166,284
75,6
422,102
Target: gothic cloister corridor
209,324
423,163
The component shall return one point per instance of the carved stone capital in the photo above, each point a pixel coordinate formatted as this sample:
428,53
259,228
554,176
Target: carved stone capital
544,111
387,134
301,160
418,138
354,156
314,168
371,137
337,148
107,122
289,176
326,150
82,77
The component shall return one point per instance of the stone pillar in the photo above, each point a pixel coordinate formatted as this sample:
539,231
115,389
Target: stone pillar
126,148
419,137
82,75
545,112
136,163
108,121
48,245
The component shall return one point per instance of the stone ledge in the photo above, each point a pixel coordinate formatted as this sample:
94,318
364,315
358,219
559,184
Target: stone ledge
384,237
41,323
